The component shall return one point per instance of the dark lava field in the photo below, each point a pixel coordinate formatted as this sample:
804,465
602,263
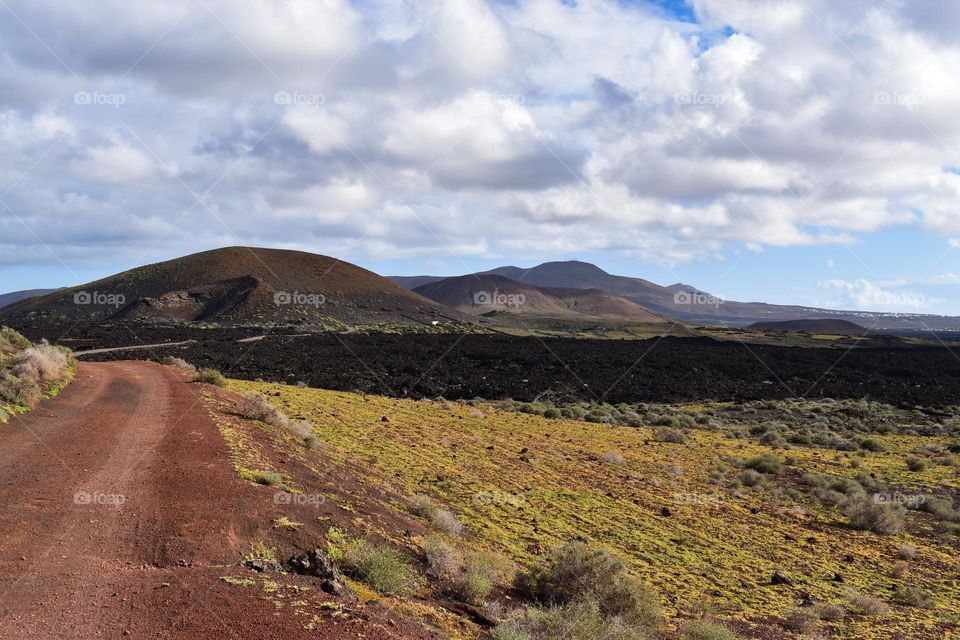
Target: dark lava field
559,369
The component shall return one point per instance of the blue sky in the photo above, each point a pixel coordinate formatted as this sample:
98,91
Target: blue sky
798,152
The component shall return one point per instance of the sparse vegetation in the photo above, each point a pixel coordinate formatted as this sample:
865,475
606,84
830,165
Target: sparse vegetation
707,630
28,372
210,376
469,576
867,514
866,604
180,363
443,519
578,571
582,620
380,567
911,596
518,481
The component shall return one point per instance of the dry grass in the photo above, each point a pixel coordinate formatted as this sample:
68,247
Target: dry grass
42,362
443,519
180,363
210,376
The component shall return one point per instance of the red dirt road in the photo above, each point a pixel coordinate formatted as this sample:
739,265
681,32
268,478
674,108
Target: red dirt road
119,510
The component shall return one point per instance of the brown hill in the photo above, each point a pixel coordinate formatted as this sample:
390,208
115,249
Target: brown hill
485,293
239,285
813,325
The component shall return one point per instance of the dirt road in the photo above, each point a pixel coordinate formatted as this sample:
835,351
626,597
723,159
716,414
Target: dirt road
119,511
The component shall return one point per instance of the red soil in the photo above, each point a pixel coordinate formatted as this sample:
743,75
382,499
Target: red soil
74,566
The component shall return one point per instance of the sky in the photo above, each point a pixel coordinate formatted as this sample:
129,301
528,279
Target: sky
790,151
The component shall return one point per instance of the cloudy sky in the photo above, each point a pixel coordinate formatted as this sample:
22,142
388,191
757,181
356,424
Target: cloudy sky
803,151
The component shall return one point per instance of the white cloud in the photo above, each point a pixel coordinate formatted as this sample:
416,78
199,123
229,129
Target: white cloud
536,125
864,295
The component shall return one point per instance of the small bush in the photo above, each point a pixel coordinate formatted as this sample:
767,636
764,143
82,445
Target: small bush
827,611
576,621
380,567
577,571
25,392
180,363
266,478
613,458
913,597
12,339
706,630
469,577
674,436
43,363
867,605
765,463
750,478
906,552
867,515
553,413
446,521
210,376
425,507
256,406
872,444
802,621
916,464
667,421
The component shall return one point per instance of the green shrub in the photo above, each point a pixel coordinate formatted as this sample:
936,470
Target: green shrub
916,464
380,567
667,421
706,630
872,444
443,519
211,376
576,621
266,478
866,514
750,478
674,436
577,571
765,463
867,605
470,577
12,340
553,413
914,597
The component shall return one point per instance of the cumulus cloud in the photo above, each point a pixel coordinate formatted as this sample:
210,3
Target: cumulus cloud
865,295
472,128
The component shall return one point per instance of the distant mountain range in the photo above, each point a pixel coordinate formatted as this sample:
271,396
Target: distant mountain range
240,285
245,285
485,294
686,302
16,296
